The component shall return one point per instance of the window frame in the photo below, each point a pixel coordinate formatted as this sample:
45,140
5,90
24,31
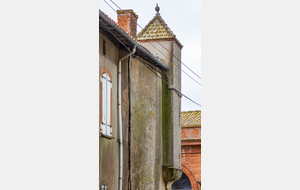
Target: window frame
103,188
104,70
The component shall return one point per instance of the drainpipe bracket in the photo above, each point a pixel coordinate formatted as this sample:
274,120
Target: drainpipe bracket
170,175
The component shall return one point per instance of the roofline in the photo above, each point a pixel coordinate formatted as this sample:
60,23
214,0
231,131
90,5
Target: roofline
132,41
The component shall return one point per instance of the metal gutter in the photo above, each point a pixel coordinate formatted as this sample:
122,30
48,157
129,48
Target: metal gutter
132,41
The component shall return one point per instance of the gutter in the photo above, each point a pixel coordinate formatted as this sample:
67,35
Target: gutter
132,41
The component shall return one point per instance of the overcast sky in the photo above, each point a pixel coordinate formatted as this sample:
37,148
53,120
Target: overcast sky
183,18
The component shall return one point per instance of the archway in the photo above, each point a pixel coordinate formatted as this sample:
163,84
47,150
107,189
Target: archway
187,178
182,183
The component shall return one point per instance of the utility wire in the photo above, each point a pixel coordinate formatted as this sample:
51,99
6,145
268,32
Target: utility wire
159,44
169,84
154,72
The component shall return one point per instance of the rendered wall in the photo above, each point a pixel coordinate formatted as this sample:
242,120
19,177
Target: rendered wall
142,102
146,133
109,148
171,107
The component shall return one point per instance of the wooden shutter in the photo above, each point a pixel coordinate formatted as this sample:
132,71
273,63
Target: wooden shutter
108,106
104,104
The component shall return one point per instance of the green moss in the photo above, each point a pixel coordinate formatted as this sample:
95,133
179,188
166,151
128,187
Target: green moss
166,115
141,116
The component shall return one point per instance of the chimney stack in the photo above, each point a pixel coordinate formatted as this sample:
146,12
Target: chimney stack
128,20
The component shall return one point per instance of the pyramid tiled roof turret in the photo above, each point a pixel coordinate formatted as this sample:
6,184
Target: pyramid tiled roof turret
157,29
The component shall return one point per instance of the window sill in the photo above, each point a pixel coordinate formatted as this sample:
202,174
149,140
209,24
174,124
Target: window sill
105,136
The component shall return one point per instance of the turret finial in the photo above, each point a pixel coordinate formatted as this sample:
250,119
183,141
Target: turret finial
157,8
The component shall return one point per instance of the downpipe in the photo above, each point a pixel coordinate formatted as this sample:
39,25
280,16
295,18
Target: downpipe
120,114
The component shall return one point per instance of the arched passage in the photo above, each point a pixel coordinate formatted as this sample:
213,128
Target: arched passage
190,175
182,183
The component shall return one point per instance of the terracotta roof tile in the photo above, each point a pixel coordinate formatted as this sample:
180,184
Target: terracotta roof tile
191,118
156,29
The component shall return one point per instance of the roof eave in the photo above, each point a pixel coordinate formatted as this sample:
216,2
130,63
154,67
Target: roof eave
146,54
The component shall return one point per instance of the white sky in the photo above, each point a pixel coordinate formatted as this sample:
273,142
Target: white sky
184,19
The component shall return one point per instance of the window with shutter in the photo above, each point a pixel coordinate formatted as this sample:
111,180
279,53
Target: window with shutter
106,94
103,187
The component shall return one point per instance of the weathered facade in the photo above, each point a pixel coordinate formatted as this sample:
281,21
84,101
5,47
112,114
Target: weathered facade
190,151
139,145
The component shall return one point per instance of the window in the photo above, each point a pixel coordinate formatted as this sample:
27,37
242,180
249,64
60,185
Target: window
106,102
103,187
103,47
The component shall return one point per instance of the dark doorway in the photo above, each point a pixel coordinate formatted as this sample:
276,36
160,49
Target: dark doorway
182,183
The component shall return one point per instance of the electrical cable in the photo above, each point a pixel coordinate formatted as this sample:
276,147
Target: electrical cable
169,84
160,44
181,94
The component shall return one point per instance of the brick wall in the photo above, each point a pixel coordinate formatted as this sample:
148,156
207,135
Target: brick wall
191,154
127,19
190,132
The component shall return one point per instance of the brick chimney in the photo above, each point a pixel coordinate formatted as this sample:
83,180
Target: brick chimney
128,20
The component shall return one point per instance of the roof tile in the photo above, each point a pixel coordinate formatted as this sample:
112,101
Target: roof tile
191,119
156,29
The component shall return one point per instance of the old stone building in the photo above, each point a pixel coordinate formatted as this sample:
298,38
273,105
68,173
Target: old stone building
139,129
190,151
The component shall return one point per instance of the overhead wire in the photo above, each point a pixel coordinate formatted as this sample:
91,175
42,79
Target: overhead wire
169,84
160,44
181,94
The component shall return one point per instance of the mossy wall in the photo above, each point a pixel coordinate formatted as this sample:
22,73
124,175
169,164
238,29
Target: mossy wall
167,132
172,101
108,163
146,144
154,118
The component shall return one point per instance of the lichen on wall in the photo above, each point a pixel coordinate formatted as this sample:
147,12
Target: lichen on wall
143,144
108,162
166,132
145,125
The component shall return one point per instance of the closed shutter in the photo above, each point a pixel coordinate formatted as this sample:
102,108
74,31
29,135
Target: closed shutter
106,105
